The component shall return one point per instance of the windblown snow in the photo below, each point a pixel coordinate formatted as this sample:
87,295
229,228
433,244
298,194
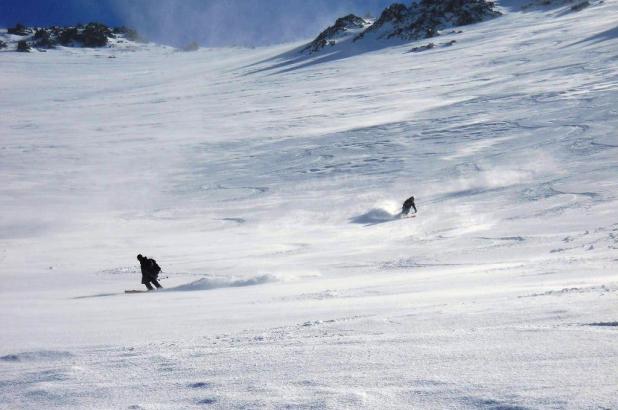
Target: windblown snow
267,187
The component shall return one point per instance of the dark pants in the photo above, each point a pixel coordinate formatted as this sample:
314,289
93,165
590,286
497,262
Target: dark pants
406,207
154,282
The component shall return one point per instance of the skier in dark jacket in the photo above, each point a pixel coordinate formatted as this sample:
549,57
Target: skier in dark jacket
408,203
150,271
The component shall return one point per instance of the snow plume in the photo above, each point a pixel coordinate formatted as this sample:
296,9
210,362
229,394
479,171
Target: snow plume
384,211
235,22
521,169
222,282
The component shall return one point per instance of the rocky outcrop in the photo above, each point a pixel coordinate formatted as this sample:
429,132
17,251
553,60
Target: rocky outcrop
23,47
92,35
344,26
193,46
394,14
43,39
422,19
427,17
19,30
430,46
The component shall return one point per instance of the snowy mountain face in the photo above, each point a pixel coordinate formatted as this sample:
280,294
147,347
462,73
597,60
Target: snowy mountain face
420,20
268,184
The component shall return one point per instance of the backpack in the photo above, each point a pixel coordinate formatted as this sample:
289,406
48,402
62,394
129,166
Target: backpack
155,267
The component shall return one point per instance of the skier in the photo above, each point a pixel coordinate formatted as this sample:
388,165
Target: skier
408,203
150,272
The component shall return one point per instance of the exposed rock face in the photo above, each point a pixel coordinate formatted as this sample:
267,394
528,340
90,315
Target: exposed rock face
43,39
343,26
23,47
95,35
193,46
395,13
423,48
430,46
19,30
423,19
91,35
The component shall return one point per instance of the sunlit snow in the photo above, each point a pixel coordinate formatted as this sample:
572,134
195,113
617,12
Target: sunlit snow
268,190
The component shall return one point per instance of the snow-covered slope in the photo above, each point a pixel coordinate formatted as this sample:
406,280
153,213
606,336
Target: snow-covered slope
267,189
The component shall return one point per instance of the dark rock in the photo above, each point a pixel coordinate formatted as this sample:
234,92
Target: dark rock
193,46
95,35
427,17
55,31
23,47
89,35
328,37
2,44
420,20
423,48
43,39
395,13
41,33
68,36
19,30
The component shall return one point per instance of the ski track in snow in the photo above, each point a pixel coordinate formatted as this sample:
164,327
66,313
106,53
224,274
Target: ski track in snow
269,192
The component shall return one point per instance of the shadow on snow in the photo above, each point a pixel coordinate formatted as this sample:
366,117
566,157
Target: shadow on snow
375,216
295,59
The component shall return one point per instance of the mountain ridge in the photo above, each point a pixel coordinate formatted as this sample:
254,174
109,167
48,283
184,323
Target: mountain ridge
419,20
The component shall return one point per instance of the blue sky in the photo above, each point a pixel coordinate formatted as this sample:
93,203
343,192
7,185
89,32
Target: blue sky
210,22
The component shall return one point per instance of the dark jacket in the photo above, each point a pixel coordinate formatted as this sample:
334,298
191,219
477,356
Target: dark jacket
150,270
409,203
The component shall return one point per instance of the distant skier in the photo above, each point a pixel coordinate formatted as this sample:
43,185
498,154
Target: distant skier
150,271
408,203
